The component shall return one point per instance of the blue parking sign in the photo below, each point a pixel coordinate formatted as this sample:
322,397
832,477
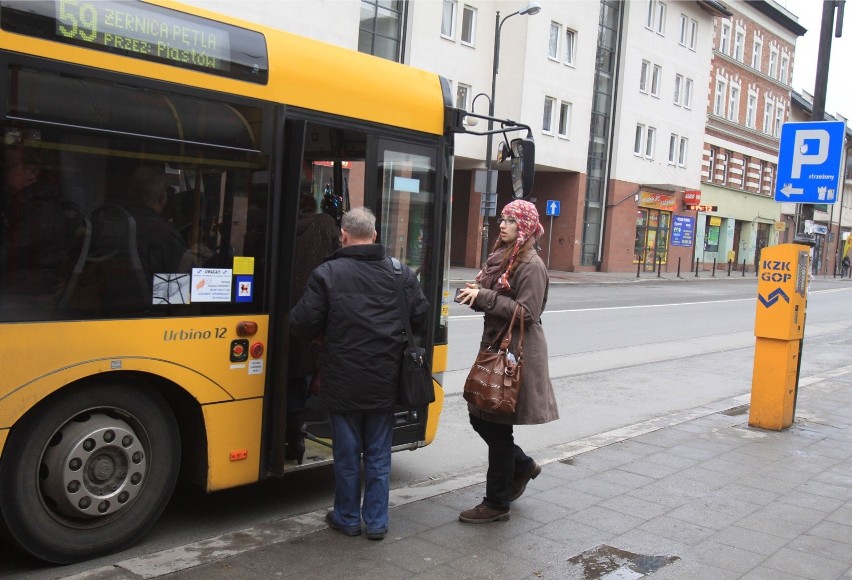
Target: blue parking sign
809,162
552,208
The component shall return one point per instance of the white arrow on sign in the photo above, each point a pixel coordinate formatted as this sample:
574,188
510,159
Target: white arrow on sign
552,207
789,190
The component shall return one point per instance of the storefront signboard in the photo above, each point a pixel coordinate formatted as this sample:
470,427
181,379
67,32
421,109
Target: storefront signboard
683,230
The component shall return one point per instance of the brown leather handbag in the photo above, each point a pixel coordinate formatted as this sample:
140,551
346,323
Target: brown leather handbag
494,380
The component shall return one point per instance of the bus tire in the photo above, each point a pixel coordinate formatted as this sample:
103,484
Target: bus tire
88,472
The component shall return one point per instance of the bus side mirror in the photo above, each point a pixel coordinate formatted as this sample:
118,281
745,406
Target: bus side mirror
523,167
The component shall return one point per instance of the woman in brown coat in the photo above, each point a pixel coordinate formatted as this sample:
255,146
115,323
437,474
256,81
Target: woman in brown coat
513,274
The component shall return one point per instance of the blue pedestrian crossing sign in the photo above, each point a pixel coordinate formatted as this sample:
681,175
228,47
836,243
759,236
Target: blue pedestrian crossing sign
552,208
809,162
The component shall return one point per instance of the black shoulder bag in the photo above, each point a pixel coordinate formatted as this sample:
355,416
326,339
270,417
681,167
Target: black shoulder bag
415,379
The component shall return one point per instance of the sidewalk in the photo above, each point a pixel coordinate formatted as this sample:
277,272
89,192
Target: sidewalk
695,495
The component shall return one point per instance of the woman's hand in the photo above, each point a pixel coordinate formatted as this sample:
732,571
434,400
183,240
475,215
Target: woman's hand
468,295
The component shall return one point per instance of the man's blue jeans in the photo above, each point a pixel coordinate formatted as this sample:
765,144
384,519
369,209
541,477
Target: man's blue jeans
353,434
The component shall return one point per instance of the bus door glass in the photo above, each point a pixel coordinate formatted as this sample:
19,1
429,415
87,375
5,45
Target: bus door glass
407,182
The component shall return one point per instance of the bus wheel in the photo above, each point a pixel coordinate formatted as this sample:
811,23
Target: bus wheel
88,472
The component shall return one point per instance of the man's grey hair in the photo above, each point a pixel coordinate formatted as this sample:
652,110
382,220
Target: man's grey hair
359,222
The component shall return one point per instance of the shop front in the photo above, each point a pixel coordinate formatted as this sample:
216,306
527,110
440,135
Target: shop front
653,225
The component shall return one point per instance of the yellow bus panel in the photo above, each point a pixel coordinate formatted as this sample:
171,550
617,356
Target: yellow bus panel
435,410
439,358
193,353
233,443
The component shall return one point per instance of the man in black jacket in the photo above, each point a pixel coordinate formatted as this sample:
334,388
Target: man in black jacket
351,302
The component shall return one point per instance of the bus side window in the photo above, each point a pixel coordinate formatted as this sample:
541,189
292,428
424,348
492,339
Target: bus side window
37,236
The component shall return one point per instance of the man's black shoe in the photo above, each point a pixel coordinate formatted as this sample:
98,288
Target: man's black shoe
329,519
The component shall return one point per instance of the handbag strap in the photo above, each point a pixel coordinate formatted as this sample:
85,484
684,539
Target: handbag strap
507,330
403,310
520,353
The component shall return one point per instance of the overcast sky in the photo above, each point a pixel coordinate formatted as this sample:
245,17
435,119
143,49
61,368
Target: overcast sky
839,93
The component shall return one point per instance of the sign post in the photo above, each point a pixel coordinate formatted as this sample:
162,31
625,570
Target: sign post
551,209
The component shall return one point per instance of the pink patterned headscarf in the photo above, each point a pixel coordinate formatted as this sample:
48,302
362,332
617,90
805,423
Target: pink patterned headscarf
526,216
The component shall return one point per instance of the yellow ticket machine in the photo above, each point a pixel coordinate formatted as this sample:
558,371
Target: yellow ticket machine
779,325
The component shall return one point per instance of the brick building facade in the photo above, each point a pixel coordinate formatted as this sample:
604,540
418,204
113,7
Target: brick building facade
749,98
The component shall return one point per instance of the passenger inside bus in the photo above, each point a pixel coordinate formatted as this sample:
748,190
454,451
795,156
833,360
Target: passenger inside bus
160,245
37,236
317,236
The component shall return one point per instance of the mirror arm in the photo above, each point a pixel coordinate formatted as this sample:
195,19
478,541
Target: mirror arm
505,124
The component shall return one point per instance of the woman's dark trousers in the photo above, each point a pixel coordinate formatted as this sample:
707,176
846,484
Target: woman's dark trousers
504,458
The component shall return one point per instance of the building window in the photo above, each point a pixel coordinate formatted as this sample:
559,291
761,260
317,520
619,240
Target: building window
779,120
734,104
660,19
650,142
553,45
746,163
448,19
684,30
678,89
564,119
649,18
773,63
547,119
380,29
677,150
693,34
726,161
768,112
468,31
681,151
639,139
655,80
643,76
687,94
751,110
756,54
719,98
725,38
785,63
739,42
462,96
570,46
712,165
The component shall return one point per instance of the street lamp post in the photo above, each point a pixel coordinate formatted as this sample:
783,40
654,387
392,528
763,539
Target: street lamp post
532,9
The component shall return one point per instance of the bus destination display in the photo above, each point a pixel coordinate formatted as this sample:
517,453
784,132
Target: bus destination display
145,31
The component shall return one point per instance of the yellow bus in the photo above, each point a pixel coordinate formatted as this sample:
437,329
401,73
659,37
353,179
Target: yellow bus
140,341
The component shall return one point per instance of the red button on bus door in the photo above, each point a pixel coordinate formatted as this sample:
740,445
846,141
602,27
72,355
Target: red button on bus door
239,350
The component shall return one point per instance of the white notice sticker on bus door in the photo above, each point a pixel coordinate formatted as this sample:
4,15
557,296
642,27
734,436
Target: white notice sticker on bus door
211,285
